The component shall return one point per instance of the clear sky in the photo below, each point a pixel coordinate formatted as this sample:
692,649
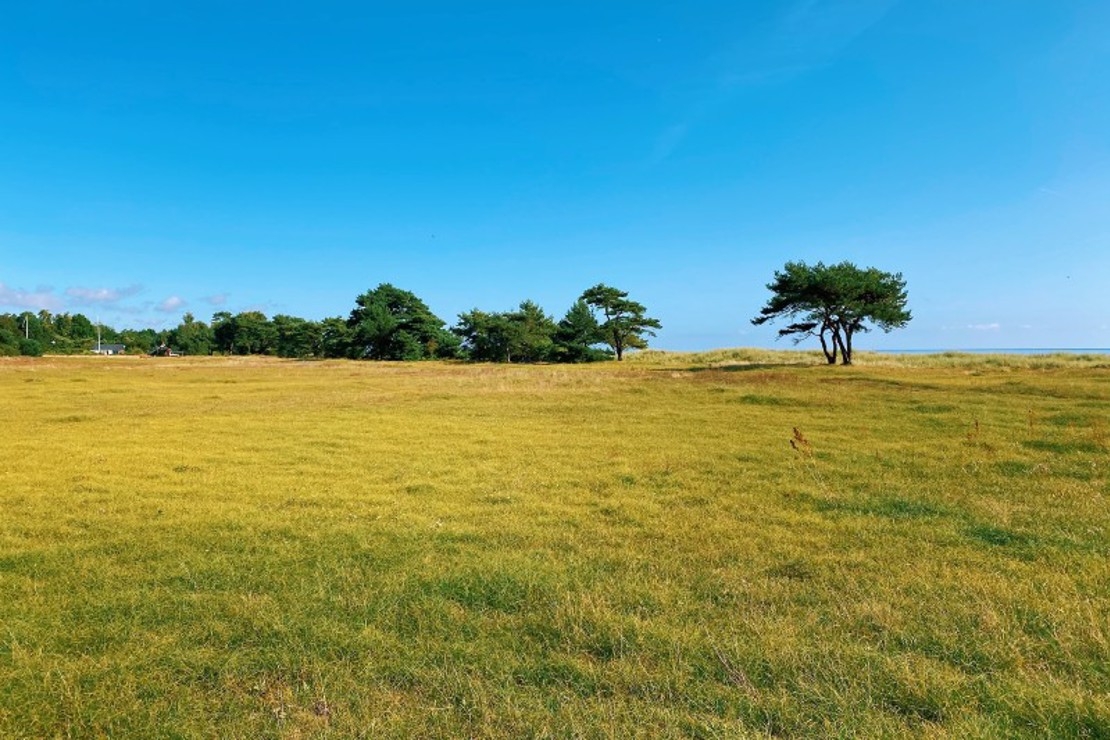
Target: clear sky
202,156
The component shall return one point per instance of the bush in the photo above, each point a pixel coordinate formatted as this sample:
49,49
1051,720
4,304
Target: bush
9,344
30,348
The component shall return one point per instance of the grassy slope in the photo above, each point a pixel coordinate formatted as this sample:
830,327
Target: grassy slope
266,548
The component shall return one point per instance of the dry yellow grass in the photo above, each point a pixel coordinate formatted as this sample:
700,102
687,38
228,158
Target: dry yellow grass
253,548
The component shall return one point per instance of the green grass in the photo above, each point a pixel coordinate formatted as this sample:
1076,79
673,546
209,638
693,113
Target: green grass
260,548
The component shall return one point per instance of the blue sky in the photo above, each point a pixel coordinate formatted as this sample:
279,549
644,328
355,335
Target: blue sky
157,158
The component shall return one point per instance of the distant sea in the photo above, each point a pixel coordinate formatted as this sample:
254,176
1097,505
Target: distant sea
1003,351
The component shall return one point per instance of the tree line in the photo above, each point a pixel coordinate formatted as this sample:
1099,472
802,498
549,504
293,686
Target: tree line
33,334
831,303
387,323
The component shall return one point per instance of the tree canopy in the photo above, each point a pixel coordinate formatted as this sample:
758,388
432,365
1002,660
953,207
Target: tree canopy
578,334
192,337
393,324
524,335
246,333
834,303
626,324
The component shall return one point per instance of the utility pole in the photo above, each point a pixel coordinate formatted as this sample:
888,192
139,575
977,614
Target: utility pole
26,326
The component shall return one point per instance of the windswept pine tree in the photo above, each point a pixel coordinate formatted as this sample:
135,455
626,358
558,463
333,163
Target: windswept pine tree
626,324
834,303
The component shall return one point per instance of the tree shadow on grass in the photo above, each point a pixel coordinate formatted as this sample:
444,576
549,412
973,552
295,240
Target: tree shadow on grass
739,368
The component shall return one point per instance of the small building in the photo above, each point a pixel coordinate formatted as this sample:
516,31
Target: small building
109,349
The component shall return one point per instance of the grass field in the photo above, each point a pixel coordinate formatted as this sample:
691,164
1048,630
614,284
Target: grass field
716,545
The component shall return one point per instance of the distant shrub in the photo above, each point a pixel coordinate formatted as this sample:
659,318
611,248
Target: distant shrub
30,348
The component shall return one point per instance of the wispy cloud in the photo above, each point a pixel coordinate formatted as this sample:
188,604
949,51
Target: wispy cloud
218,299
80,296
808,35
132,310
171,304
38,299
993,326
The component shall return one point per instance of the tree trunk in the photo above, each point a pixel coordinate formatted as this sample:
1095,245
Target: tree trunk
845,355
830,357
846,348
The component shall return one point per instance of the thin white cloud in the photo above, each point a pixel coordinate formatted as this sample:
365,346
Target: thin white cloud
993,326
80,296
218,299
38,299
132,310
171,304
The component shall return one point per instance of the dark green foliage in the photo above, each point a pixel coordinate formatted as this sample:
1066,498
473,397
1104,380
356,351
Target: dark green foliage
484,336
191,337
535,333
9,342
30,348
55,333
335,337
72,326
393,324
833,303
626,324
578,334
138,340
223,331
296,337
9,330
524,335
254,334
37,327
246,333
